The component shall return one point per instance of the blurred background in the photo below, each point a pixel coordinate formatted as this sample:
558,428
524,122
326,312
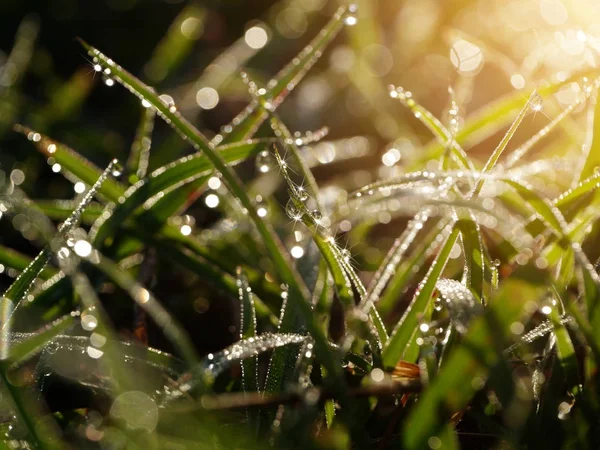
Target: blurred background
195,51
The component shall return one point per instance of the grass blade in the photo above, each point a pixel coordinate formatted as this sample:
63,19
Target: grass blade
493,117
19,289
495,156
473,250
137,164
473,360
406,328
247,122
280,259
72,162
247,331
22,351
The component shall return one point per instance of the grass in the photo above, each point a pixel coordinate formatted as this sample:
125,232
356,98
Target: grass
476,326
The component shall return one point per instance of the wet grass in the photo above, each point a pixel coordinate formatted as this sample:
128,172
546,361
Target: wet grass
476,323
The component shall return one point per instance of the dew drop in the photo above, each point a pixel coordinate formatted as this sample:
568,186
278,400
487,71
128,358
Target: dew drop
264,161
302,194
83,248
297,252
292,211
117,169
212,200
108,81
536,103
351,19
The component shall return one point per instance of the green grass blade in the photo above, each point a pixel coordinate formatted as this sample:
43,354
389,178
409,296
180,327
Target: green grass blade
19,289
65,101
73,163
168,178
13,259
177,43
61,209
247,122
139,157
439,131
495,156
405,330
592,161
472,361
298,292
519,153
22,351
493,117
566,354
569,197
248,330
473,251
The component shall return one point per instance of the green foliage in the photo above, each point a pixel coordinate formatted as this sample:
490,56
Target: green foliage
481,318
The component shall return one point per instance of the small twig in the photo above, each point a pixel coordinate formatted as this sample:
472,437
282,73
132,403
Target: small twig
313,395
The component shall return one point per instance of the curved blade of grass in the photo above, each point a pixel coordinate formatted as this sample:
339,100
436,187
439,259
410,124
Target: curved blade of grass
281,260
331,252
60,210
188,132
73,162
569,197
172,176
288,143
439,131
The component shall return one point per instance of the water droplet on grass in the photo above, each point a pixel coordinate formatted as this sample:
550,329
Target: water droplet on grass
265,161
302,194
117,168
292,211
536,103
